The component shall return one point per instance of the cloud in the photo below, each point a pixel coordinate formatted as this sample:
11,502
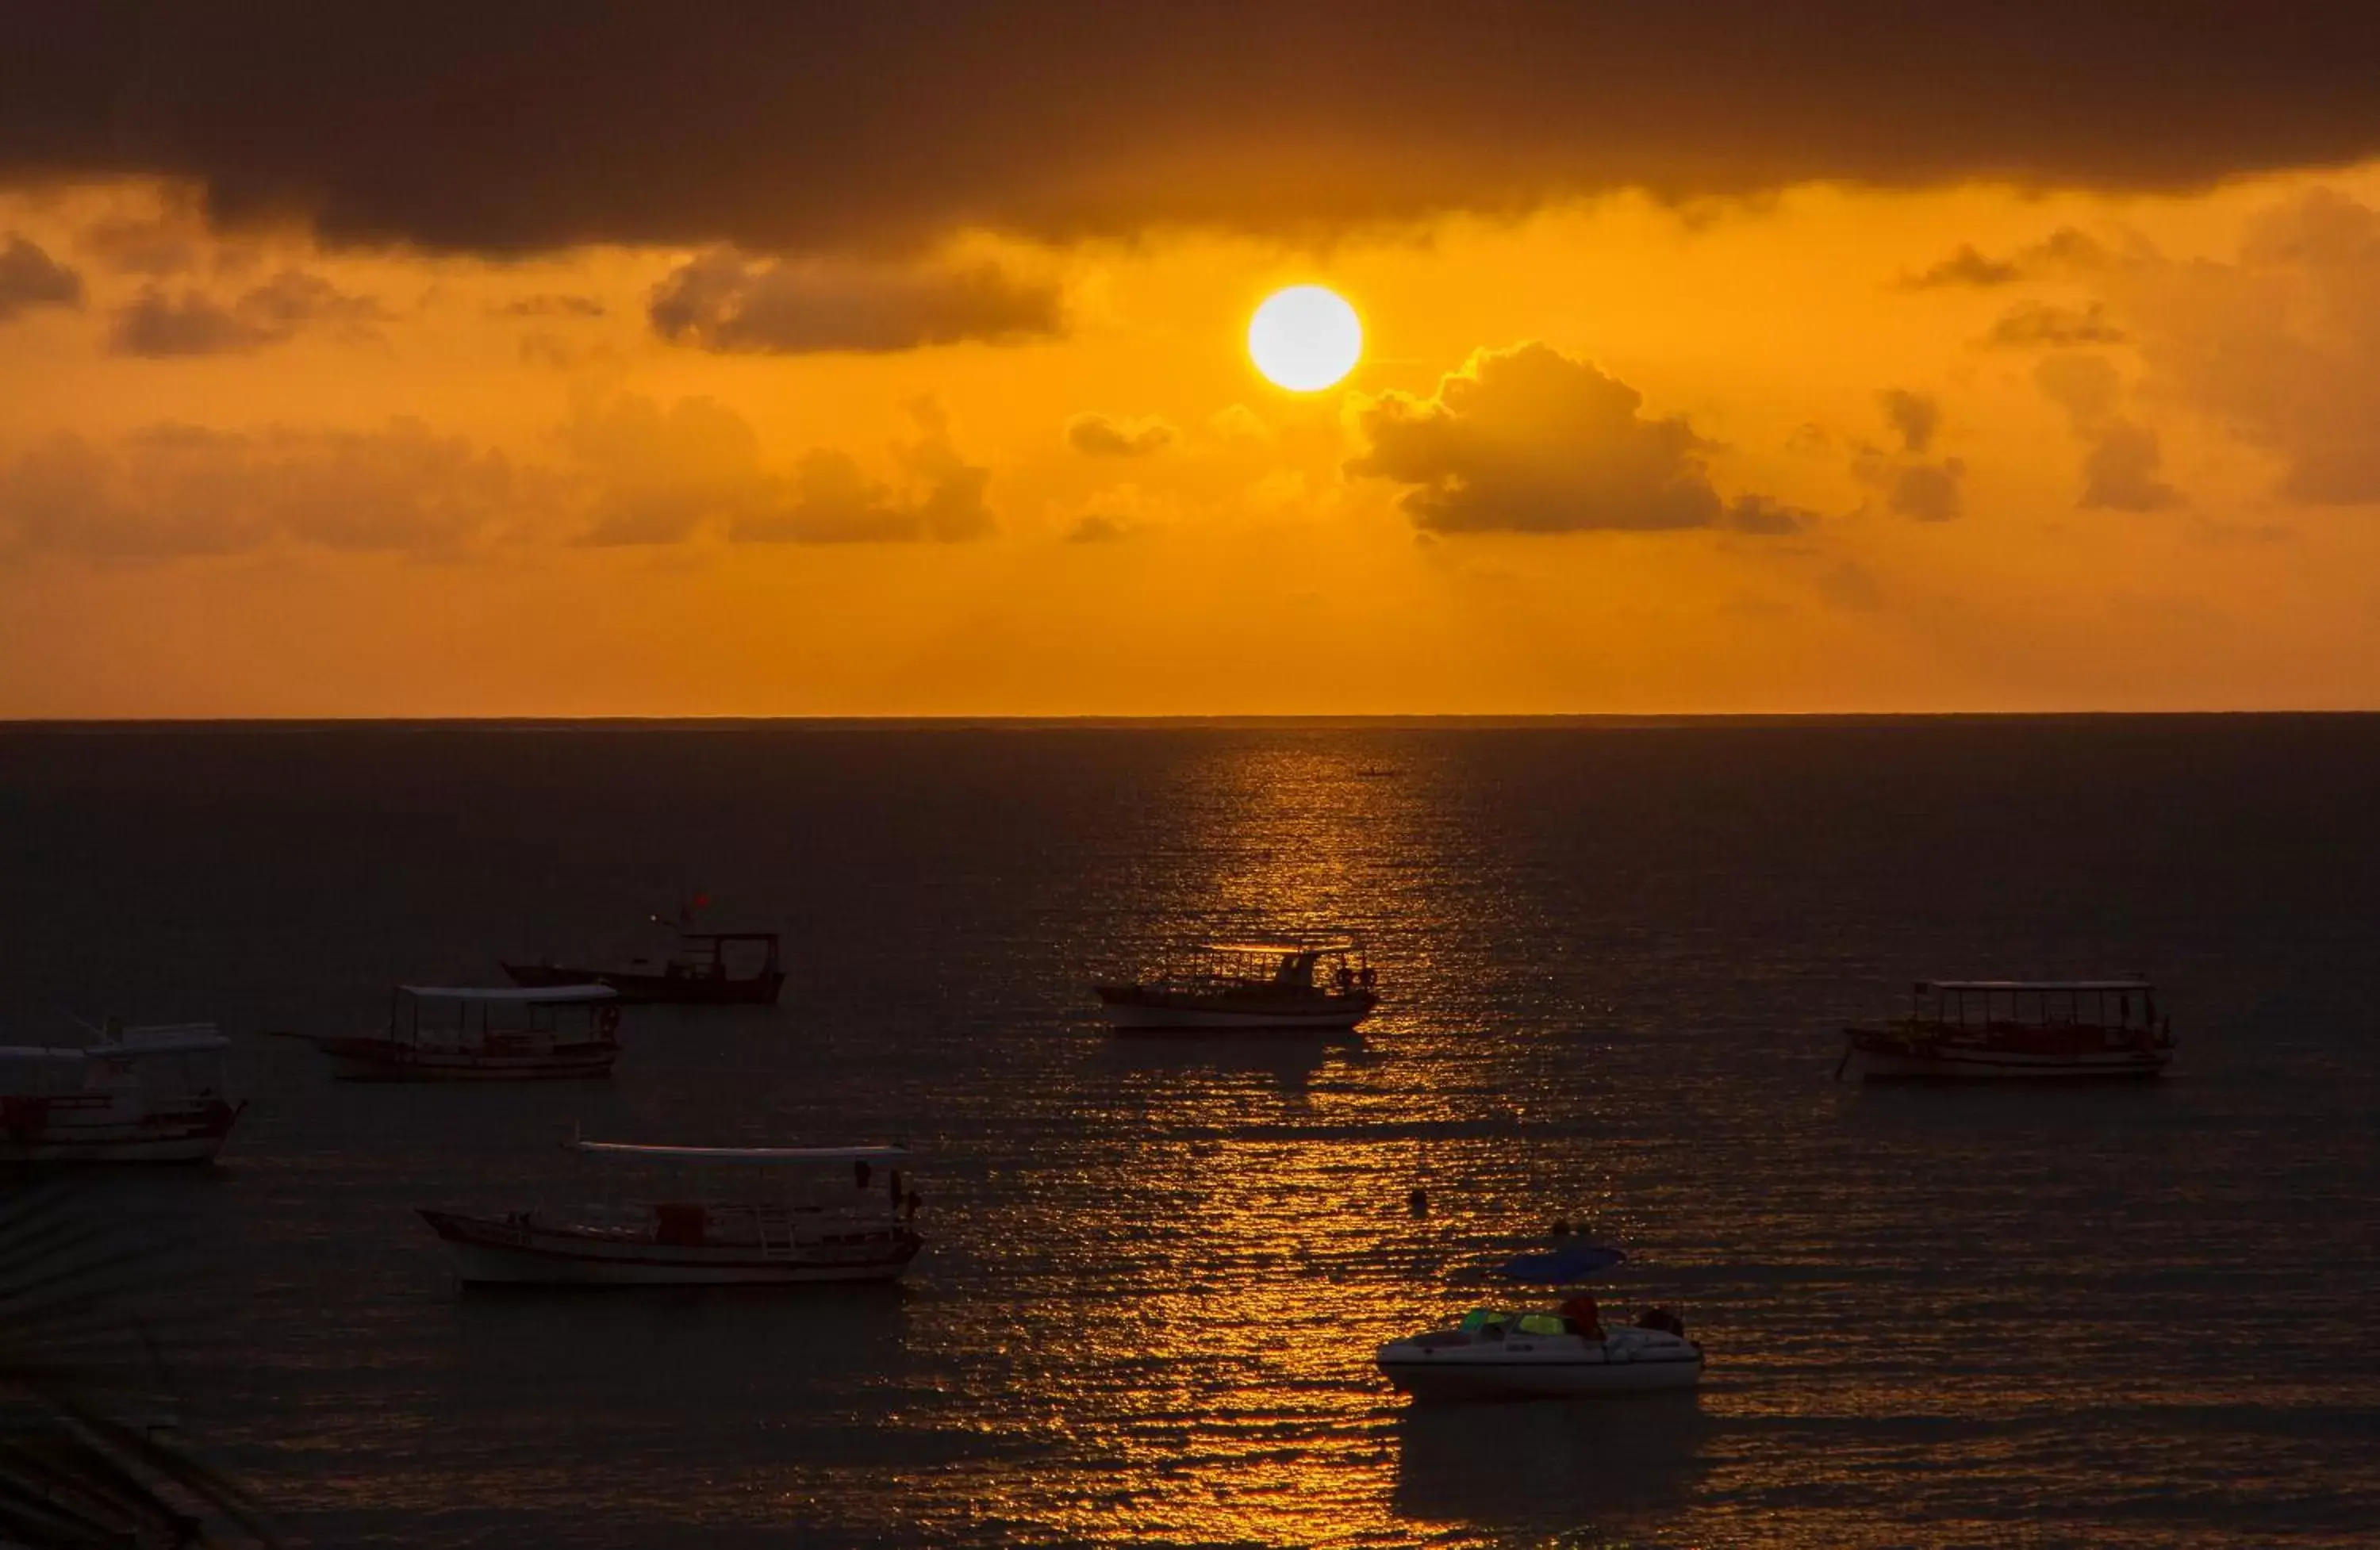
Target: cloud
2045,325
551,307
30,278
1965,267
2121,467
193,323
2281,346
1100,436
1926,491
1913,486
729,302
1098,529
1528,440
2063,251
1765,516
1850,589
173,490
809,128
663,475
1914,416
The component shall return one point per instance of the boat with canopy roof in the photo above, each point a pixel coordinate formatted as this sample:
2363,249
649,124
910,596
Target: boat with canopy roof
1546,1353
1290,984
2005,1029
448,1034
723,1216
132,1095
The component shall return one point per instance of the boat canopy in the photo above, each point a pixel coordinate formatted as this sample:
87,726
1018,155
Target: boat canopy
1281,945
1986,986
512,994
783,1155
1559,1266
184,1039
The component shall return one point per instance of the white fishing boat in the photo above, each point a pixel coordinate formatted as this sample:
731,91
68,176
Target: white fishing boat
1540,1356
749,1225
1546,1353
134,1095
481,1035
1291,984
2008,1030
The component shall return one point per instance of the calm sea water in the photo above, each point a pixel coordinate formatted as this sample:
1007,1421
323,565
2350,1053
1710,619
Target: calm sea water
1618,957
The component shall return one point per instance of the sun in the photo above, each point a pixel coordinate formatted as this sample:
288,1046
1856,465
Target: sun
1304,338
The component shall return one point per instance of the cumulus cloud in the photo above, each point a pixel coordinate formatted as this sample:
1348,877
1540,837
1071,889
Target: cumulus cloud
2122,458
452,125
2063,251
628,471
1096,528
1101,436
663,475
193,323
1914,416
30,278
1915,486
732,302
1528,440
1765,516
2046,325
2280,345
552,306
173,490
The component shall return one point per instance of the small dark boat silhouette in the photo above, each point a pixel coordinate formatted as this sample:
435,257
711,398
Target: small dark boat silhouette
702,971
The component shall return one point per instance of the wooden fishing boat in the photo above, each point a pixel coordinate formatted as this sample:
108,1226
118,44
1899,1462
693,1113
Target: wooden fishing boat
2017,1029
1290,984
766,1232
134,1095
483,1034
706,968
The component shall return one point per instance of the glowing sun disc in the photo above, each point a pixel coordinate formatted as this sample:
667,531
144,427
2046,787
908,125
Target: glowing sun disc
1304,338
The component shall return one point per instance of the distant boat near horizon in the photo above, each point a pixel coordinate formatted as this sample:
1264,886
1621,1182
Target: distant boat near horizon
2011,1030
704,968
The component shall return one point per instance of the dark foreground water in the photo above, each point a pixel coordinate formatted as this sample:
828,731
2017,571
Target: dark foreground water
1617,957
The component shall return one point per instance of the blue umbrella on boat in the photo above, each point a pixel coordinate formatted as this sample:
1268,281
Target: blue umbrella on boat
1565,1266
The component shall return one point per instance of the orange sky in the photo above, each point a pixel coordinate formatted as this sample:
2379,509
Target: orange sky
1949,444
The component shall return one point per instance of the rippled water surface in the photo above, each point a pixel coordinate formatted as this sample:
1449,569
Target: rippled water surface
1618,959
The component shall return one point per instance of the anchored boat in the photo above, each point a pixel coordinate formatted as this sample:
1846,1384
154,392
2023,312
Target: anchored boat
1546,1353
136,1094
478,1035
757,1229
2004,1029
703,968
1321,985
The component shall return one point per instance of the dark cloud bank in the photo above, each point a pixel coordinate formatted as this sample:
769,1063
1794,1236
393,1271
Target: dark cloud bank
807,128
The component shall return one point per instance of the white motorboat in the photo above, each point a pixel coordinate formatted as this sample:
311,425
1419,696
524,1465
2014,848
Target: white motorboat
1292,985
765,1234
136,1095
2004,1029
1540,1356
1546,1353
479,1035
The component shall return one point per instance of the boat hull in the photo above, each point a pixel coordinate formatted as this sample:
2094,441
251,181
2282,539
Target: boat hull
490,1252
656,989
361,1060
1490,1371
1130,1008
1879,1059
196,1140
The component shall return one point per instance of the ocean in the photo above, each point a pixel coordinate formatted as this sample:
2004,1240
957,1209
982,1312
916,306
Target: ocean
1618,957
